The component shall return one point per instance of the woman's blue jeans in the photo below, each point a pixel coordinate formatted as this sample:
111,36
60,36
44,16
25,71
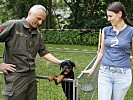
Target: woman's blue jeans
113,83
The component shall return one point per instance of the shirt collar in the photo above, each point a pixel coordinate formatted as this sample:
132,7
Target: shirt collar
26,25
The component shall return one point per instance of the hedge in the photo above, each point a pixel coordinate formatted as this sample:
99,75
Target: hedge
71,37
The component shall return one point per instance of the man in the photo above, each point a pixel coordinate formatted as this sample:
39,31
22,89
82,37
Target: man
22,43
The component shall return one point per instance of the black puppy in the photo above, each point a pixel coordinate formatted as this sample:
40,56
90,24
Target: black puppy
67,72
67,87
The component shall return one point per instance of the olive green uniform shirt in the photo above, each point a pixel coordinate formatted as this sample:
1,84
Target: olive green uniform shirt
21,45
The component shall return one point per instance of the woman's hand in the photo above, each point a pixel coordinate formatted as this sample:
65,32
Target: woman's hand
131,59
89,71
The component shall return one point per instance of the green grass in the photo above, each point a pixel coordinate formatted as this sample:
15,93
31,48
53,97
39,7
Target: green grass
81,60
45,68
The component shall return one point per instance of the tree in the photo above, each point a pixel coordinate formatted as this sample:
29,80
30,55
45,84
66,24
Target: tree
84,13
17,9
92,13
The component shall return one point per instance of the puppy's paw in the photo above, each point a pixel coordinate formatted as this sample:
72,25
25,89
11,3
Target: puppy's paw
52,77
59,80
56,82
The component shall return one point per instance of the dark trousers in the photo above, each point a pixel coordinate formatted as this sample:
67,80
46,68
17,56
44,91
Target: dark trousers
20,86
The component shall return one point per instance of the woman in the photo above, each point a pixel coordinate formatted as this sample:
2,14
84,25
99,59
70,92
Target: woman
115,74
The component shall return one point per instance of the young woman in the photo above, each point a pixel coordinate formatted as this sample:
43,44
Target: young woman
115,74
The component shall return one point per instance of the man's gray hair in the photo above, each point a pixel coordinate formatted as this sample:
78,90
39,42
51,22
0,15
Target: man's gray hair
38,7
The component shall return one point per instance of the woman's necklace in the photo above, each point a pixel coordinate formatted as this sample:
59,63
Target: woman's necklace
118,30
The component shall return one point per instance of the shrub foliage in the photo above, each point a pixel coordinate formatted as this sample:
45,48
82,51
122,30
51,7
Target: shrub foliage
71,37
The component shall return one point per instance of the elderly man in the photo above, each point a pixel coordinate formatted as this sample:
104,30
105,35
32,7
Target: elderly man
22,43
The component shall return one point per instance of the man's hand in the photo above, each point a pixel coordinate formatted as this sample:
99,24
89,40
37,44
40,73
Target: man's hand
6,68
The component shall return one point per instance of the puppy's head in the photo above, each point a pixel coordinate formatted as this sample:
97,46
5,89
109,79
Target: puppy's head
67,66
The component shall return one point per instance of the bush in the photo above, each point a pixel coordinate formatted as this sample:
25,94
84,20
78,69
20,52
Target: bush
71,37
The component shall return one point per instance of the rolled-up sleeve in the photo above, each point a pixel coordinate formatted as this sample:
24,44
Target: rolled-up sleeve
42,48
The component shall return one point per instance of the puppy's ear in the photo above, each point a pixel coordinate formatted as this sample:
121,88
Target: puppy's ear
61,65
72,64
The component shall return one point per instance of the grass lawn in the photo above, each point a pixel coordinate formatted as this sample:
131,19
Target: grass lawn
81,60
45,68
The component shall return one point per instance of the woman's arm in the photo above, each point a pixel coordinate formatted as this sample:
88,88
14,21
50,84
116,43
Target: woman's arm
99,57
131,57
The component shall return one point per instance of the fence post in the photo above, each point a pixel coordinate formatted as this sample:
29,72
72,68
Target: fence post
76,89
99,40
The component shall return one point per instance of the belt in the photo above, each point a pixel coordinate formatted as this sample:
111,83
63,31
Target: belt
114,69
30,72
